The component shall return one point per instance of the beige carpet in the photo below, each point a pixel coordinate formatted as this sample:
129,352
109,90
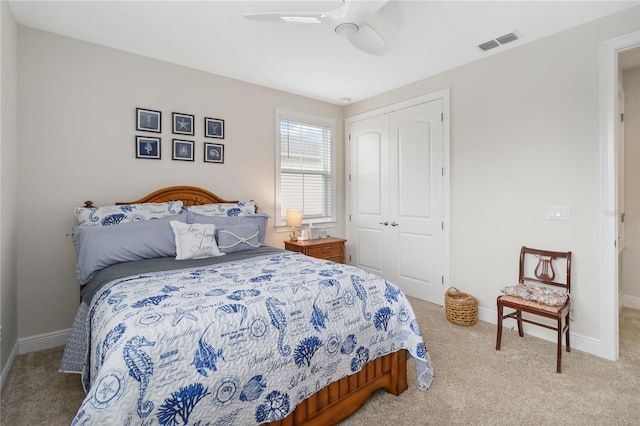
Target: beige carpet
474,384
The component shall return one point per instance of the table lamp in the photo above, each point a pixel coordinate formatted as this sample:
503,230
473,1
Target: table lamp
294,218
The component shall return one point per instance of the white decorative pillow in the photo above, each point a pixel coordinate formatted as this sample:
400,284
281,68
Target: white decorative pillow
195,240
113,215
537,293
242,208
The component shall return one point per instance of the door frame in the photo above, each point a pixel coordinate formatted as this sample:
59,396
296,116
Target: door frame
608,87
443,95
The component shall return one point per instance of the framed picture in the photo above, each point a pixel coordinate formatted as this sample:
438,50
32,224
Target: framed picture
183,150
148,120
213,153
214,128
182,124
147,147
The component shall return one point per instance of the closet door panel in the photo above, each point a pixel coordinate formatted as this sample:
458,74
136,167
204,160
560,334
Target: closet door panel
416,206
369,189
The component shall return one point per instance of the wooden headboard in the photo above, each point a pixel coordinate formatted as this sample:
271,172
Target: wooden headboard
189,195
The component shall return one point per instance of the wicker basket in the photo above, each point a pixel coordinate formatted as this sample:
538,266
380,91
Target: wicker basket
461,308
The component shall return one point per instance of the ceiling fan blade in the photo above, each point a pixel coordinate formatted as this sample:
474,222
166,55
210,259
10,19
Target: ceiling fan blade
359,11
293,17
298,12
369,41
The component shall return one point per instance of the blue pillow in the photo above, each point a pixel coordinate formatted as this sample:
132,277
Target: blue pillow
102,246
259,219
238,238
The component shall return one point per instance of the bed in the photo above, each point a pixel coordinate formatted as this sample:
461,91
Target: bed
257,335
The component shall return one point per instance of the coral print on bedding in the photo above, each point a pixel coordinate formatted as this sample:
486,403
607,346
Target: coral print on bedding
240,342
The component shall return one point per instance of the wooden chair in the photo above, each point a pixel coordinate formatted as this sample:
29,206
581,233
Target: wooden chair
534,296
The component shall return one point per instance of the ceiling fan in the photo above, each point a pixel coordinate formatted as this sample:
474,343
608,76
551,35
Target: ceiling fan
351,20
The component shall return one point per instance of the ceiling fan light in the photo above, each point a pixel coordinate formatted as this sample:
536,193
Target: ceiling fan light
347,29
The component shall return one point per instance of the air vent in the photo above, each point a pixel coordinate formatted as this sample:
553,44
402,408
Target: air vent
489,45
508,38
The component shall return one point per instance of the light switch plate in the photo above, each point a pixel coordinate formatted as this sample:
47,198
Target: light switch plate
558,213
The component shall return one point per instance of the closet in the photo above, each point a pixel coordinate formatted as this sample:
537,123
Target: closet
397,196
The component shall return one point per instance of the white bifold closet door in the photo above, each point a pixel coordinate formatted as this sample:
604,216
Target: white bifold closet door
396,196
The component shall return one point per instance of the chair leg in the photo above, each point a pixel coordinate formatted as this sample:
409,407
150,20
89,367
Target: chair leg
499,337
520,332
559,363
566,321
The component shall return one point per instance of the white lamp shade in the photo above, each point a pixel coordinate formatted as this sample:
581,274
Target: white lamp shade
294,217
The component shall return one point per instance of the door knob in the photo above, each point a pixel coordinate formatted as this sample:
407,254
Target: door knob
385,223
394,224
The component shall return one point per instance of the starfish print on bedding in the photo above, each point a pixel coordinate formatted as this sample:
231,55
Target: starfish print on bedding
181,313
106,390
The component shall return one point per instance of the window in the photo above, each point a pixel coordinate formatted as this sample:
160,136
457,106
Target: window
305,172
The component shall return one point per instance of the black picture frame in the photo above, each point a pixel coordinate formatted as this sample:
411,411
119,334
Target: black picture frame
213,128
213,152
183,150
148,147
182,123
148,120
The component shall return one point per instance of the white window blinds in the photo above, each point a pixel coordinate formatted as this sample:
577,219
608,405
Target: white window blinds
306,174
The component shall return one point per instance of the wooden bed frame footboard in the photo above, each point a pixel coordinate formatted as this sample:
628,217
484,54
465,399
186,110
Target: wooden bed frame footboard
340,399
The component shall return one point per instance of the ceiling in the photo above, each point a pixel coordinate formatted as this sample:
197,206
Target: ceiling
424,37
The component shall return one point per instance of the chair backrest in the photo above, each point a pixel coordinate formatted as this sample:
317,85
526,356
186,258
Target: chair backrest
544,270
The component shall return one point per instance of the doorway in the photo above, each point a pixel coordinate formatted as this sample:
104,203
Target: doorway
629,186
609,279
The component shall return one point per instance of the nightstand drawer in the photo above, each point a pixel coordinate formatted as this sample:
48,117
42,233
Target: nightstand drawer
328,251
324,248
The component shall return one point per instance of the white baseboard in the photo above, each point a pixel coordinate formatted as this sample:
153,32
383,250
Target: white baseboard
631,302
44,341
33,344
8,365
580,342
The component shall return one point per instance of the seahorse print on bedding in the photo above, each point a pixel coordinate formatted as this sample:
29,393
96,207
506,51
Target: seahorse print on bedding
362,294
279,321
140,368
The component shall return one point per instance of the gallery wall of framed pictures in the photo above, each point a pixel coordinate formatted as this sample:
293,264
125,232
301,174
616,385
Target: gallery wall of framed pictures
183,125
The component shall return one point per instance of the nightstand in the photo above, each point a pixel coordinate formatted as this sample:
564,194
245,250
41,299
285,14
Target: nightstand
329,248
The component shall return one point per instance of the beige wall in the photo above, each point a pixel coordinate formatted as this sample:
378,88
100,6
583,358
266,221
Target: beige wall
524,136
630,272
8,185
77,126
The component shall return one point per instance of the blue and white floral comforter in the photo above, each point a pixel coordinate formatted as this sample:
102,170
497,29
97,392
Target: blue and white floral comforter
240,342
